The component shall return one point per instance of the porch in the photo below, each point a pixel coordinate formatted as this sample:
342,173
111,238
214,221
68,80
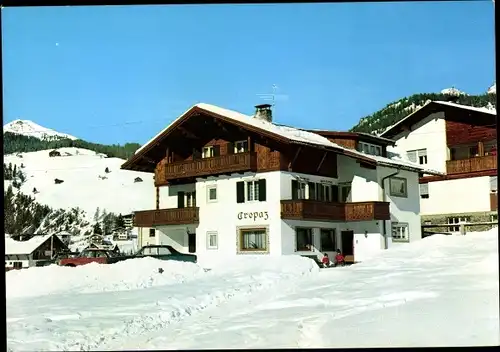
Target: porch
476,157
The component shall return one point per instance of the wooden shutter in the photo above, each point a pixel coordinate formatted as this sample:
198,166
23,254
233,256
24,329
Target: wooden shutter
240,192
194,198
262,190
230,148
217,150
335,193
196,154
180,200
295,189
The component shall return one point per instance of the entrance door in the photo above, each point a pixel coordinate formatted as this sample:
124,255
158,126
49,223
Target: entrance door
328,242
348,245
192,243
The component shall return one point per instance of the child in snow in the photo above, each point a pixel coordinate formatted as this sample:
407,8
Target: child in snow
339,258
325,261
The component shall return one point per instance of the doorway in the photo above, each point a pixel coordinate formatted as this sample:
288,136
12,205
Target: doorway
347,245
328,242
192,242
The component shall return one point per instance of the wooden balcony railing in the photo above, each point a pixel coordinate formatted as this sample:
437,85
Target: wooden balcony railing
239,162
326,211
176,216
478,163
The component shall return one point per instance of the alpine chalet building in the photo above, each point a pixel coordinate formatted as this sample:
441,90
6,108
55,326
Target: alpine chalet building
230,184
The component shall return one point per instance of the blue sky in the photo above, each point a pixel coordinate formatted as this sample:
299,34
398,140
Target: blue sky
120,74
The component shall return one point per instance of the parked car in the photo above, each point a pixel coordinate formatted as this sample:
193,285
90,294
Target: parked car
93,255
165,252
56,259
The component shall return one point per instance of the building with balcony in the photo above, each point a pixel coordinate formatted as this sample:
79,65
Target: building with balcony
231,184
460,141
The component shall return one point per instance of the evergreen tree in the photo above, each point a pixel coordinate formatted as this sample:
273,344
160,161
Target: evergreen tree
97,215
119,223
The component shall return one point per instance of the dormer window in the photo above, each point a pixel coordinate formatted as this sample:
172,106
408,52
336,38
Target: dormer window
369,148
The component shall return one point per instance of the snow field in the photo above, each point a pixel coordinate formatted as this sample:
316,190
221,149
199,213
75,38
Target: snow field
69,320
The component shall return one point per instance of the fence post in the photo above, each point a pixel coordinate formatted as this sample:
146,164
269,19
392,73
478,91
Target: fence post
462,229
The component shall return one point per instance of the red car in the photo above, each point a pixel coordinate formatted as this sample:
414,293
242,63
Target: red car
93,255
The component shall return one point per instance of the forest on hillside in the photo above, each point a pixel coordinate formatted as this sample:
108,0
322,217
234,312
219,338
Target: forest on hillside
395,111
16,143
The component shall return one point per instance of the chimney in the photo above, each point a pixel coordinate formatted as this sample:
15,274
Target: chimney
264,112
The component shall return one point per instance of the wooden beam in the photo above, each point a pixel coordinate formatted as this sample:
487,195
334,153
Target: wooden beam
187,133
290,165
218,123
321,162
150,161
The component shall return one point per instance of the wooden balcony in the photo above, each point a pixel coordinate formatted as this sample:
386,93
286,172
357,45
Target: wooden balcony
239,162
326,211
479,163
176,216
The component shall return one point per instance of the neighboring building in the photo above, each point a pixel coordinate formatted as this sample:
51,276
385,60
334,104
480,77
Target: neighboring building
228,183
65,237
128,220
460,141
121,234
25,254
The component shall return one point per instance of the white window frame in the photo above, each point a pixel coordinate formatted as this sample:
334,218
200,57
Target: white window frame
208,152
417,156
343,186
424,190
403,232
403,194
239,146
211,234
369,148
255,195
209,188
303,190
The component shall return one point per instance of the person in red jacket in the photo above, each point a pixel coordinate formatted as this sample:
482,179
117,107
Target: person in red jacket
325,261
339,258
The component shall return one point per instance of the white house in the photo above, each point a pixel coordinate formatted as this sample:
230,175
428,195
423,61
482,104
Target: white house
460,141
24,254
232,184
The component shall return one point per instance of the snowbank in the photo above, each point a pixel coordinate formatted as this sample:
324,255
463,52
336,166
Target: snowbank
127,275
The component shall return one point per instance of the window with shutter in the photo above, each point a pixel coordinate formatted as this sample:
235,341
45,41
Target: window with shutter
180,199
424,190
216,149
240,192
262,189
412,156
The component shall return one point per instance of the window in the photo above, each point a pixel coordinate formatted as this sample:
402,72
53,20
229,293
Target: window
212,193
254,190
298,189
493,184
473,151
186,199
424,190
328,240
212,240
494,217
397,187
369,148
17,265
207,152
345,192
253,240
400,232
164,251
418,156
304,238
152,232
457,220
240,147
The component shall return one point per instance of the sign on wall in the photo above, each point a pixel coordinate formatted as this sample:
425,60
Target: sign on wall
255,215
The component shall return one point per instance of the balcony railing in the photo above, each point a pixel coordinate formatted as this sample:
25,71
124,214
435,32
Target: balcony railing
176,216
478,163
325,211
239,162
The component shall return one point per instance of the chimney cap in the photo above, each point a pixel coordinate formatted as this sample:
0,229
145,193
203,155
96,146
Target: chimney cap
263,106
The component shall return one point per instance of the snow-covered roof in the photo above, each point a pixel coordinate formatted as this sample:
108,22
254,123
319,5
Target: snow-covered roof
292,134
24,247
491,111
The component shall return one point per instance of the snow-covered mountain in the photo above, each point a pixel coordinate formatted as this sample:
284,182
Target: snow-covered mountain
493,89
32,129
85,182
453,91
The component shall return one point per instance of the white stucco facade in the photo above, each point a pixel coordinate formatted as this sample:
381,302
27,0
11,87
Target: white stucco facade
221,219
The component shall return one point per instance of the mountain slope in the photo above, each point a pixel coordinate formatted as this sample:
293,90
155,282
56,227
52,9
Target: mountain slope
86,184
395,111
31,129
